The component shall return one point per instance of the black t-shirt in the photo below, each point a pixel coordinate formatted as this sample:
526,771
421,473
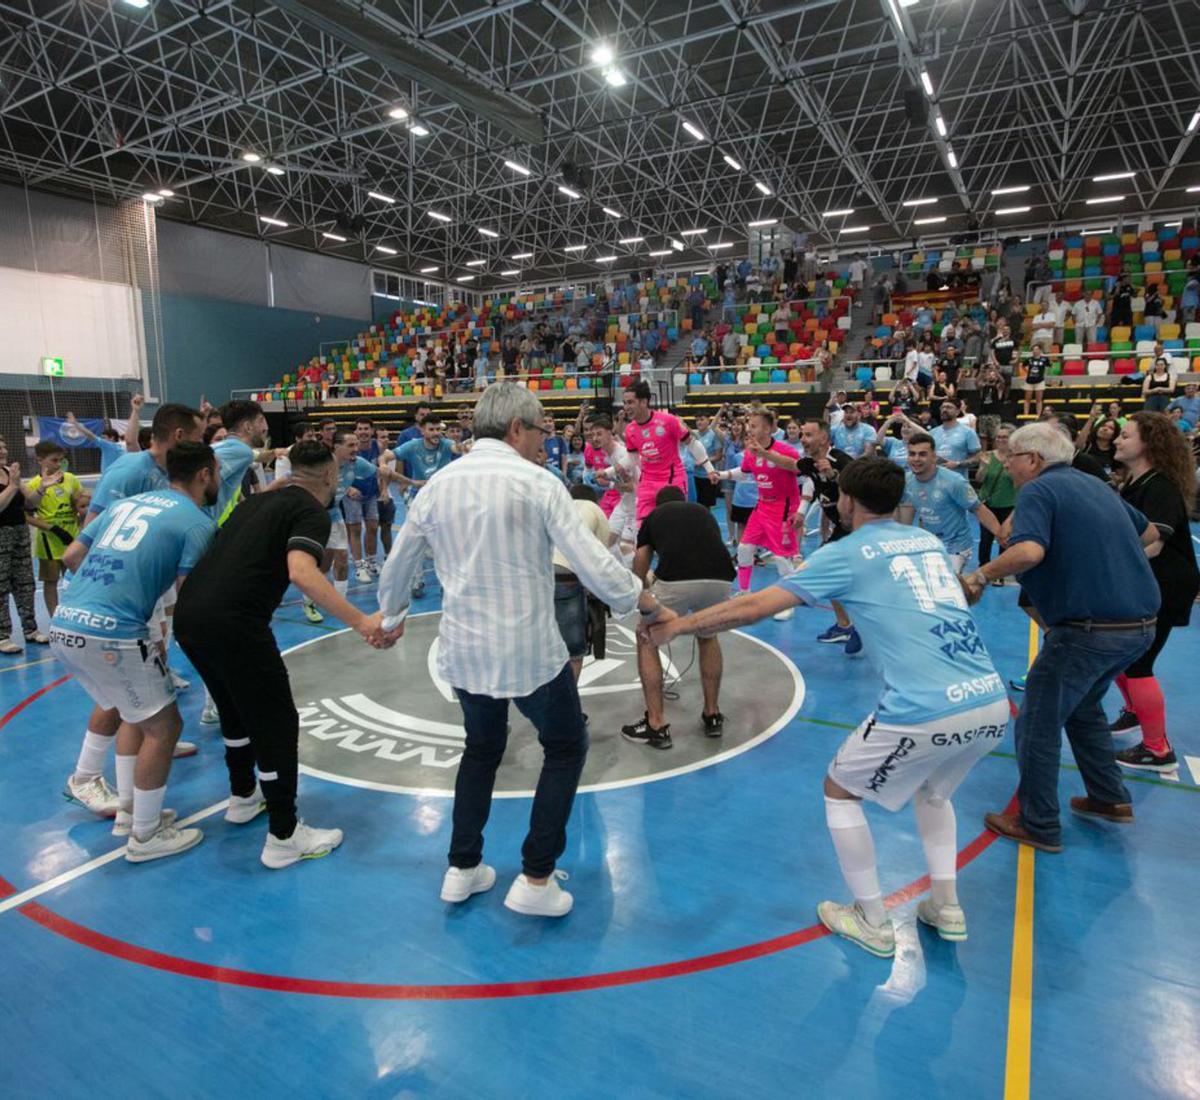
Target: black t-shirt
1002,348
1174,567
950,364
688,542
1089,464
244,575
826,488
990,399
13,514
1036,370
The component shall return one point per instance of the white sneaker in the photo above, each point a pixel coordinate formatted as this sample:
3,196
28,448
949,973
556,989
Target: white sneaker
849,922
241,810
539,901
305,843
949,920
373,566
209,715
123,823
177,681
362,573
461,882
184,748
784,615
8,647
95,794
167,840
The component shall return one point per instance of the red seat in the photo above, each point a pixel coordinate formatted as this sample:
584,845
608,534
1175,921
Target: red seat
1096,349
1074,366
1124,366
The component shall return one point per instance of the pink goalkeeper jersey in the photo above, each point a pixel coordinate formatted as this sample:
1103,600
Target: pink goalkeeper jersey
778,489
657,443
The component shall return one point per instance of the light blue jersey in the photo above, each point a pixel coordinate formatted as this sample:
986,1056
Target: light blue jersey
348,474
423,462
110,451
129,475
854,441
137,548
233,458
900,589
941,505
896,450
745,493
955,444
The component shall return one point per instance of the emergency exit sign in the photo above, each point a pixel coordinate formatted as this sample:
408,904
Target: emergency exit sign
53,367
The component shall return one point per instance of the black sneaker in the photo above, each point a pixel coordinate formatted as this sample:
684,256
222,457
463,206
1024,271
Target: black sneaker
1127,722
645,734
1141,758
714,724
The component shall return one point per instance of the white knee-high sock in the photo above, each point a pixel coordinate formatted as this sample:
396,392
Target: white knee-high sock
125,766
937,826
147,809
92,754
855,850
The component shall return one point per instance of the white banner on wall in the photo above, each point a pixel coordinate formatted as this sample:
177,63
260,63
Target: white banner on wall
94,327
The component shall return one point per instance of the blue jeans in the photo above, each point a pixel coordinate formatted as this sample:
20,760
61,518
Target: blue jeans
556,715
1064,690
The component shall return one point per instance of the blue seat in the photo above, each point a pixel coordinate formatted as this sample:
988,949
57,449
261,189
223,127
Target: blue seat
864,374
1144,332
1091,269
695,378
727,378
1173,345
763,350
1151,257
585,383
1111,249
672,334
778,376
882,332
1102,336
1075,242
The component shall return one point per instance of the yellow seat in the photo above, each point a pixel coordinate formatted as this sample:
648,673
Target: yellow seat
1168,332
1120,334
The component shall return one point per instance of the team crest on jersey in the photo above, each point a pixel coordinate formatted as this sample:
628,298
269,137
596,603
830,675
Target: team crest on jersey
366,722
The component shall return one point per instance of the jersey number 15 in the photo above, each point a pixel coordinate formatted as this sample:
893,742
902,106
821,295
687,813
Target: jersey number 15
128,526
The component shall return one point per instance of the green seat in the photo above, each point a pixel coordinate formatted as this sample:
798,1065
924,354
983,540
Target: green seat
760,376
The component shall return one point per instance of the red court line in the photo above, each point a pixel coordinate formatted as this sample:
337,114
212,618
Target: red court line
190,968
31,699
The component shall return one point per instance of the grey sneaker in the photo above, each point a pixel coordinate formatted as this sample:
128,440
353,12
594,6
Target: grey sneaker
949,920
166,841
849,922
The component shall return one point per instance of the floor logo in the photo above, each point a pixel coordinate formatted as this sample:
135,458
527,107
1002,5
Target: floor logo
386,720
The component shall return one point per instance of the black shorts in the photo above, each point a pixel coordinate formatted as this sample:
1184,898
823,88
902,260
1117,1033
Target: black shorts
706,491
738,514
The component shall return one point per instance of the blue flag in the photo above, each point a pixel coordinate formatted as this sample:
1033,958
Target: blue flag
57,430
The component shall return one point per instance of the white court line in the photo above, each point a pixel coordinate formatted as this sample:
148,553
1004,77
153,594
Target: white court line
1193,763
17,900
26,664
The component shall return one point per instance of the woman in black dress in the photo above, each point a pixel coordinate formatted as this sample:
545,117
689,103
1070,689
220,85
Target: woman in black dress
1159,386
1160,482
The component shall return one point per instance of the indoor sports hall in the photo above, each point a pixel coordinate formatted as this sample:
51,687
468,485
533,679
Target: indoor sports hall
831,229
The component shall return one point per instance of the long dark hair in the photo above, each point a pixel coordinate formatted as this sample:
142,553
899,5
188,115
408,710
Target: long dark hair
1168,452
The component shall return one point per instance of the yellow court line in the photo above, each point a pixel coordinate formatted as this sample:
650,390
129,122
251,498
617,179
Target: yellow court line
1020,983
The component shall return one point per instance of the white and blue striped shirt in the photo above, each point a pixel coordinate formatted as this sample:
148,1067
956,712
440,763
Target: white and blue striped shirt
492,521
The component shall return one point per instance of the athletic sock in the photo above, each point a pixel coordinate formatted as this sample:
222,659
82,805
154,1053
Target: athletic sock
744,574
341,586
937,826
125,766
1122,682
1151,711
147,810
855,850
92,754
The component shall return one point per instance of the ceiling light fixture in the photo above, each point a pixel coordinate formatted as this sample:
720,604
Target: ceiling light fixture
660,252
762,187
512,271
693,232
1193,190
951,158
437,214
611,212
274,170
464,278
522,256
517,167
251,158
139,4
428,270
605,259
1113,176
476,263
603,54
1104,198
695,131
918,202
385,250
574,247
763,221
929,221
152,198
720,244
1194,123
731,162
417,130
927,83
631,240
334,237
272,221
166,193
854,228
838,213
488,232
398,113
1017,189
940,124
381,198
1096,232
569,193
615,77
1014,210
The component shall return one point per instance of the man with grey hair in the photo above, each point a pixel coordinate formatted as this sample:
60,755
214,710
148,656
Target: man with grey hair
1080,553
493,520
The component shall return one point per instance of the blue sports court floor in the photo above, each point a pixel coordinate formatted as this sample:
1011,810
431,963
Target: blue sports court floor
691,966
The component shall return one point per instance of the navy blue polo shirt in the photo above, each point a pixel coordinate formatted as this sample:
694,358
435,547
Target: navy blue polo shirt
1095,566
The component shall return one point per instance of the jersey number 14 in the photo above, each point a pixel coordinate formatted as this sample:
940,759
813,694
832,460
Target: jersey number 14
931,581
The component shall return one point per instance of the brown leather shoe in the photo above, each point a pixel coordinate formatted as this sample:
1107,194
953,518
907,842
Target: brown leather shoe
1009,826
1120,812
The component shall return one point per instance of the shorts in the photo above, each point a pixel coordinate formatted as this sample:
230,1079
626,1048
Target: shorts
706,491
127,674
356,511
338,539
684,597
888,764
648,489
769,529
959,559
47,546
570,611
609,501
989,425
623,520
740,514
1035,387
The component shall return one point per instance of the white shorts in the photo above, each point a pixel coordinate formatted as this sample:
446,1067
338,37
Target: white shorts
959,559
623,519
688,597
338,540
889,764
116,672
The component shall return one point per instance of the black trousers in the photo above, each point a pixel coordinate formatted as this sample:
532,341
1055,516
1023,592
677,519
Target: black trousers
241,666
986,538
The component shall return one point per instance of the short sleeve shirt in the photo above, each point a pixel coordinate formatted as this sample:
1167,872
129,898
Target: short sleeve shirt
688,542
129,475
955,444
941,505
854,441
56,507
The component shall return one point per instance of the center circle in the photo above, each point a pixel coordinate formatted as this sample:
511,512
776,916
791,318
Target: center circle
385,720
